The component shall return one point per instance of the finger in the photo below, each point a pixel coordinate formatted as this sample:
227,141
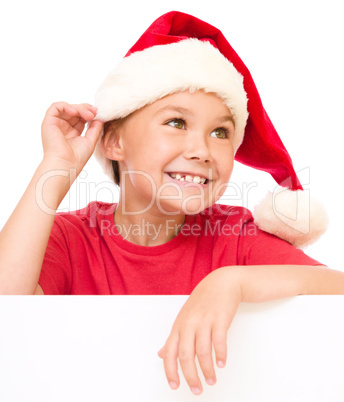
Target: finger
89,106
94,131
187,361
204,356
79,125
72,119
72,127
66,111
62,110
85,111
219,338
170,355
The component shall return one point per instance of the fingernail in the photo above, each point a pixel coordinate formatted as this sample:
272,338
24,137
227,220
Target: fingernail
173,385
195,390
221,364
210,381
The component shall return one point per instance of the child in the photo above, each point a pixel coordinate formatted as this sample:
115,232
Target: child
166,127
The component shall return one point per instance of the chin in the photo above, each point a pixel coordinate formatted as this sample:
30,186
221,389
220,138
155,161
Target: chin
194,206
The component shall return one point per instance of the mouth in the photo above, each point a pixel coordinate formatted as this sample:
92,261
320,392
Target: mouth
188,178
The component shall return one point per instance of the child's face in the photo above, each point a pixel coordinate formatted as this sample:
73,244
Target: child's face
182,134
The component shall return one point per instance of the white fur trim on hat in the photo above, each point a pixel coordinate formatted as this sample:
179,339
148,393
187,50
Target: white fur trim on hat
291,215
148,75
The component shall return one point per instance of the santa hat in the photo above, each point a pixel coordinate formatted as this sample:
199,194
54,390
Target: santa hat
180,52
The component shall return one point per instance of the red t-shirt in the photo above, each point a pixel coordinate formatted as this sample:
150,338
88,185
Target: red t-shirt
86,255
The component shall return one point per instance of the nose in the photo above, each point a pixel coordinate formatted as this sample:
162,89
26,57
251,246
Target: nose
197,148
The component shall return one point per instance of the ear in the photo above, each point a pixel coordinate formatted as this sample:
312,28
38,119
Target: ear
111,142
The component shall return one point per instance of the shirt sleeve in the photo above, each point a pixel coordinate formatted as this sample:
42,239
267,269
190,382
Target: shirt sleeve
257,247
56,272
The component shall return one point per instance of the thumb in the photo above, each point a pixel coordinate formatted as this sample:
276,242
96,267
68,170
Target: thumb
94,131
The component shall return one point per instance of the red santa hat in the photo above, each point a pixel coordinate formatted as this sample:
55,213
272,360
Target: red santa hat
179,52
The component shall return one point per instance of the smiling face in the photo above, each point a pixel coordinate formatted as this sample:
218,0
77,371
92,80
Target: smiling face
175,155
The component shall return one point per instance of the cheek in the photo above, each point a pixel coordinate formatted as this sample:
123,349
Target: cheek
229,168
225,166
226,163
151,144
142,182
220,191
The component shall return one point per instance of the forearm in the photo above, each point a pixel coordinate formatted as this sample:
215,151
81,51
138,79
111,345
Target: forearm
269,282
24,238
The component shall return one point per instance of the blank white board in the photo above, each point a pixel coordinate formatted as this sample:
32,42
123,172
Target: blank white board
104,348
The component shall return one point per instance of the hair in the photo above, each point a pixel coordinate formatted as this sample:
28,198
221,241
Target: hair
116,175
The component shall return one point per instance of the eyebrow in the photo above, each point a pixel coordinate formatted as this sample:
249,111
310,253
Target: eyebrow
178,109
187,112
224,119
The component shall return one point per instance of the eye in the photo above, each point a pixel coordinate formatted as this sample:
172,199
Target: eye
221,133
177,123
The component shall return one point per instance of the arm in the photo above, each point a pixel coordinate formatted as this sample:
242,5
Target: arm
24,238
205,318
264,282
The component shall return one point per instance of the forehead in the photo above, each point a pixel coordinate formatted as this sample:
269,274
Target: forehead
187,103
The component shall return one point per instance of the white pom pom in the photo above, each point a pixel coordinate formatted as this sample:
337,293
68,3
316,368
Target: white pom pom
291,215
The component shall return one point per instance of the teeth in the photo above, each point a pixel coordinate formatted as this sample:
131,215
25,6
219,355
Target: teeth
188,178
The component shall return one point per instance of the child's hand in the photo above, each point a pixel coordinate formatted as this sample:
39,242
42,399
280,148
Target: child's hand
207,314
61,134
202,322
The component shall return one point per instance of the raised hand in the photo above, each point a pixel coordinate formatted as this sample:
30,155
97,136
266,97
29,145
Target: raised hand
62,130
65,148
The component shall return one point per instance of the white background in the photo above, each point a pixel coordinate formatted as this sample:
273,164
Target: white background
62,50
